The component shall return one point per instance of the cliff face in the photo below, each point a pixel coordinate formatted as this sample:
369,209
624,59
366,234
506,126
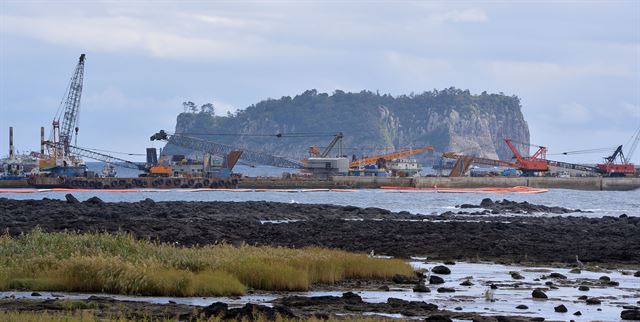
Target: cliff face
450,120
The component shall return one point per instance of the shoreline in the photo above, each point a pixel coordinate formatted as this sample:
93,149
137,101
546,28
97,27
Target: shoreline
449,236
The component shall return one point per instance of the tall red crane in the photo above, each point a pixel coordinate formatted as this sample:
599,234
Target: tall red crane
529,165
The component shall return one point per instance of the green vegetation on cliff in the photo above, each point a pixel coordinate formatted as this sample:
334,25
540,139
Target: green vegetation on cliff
450,120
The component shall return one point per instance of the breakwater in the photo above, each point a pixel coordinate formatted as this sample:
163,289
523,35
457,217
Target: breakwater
575,183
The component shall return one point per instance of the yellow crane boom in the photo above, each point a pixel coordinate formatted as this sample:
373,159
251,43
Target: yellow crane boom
388,156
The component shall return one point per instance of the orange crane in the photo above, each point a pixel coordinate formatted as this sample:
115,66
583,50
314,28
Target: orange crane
529,165
388,156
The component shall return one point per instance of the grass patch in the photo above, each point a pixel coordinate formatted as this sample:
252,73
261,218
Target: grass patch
121,264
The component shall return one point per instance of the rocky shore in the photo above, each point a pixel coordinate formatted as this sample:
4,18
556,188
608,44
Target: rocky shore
548,238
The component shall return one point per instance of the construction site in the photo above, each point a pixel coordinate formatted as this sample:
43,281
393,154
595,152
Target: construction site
60,163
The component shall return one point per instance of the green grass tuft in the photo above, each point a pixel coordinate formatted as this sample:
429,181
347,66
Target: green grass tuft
121,264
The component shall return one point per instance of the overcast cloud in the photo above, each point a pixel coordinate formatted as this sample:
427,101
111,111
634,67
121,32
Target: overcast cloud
575,65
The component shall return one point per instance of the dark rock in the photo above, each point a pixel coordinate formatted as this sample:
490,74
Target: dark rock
441,269
438,318
538,319
583,288
215,309
384,288
352,298
421,288
458,308
436,280
582,297
350,208
637,274
36,294
401,279
94,201
613,283
560,308
549,283
449,262
575,271
538,294
578,313
172,302
623,216
466,283
522,307
516,275
630,315
486,203
605,278
56,295
71,199
396,302
558,276
593,301
493,286
446,290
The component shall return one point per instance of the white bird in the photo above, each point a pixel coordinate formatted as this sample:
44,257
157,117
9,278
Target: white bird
371,254
579,262
488,294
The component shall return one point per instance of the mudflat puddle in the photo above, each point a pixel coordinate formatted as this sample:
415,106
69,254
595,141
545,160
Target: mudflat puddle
502,301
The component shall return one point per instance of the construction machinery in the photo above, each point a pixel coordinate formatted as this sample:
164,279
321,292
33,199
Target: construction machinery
388,156
617,164
218,149
60,160
531,164
464,162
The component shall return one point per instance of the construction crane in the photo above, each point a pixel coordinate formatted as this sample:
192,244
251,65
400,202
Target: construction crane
388,156
532,164
464,162
65,123
219,149
102,157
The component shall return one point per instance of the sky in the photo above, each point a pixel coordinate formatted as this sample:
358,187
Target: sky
574,64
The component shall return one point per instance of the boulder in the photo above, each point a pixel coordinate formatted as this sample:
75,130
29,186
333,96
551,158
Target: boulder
516,275
522,307
352,298
578,313
583,288
637,274
575,271
486,203
466,283
593,301
539,294
630,315
446,290
560,308
36,294
71,199
94,201
401,279
558,276
605,278
436,280
421,288
441,269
